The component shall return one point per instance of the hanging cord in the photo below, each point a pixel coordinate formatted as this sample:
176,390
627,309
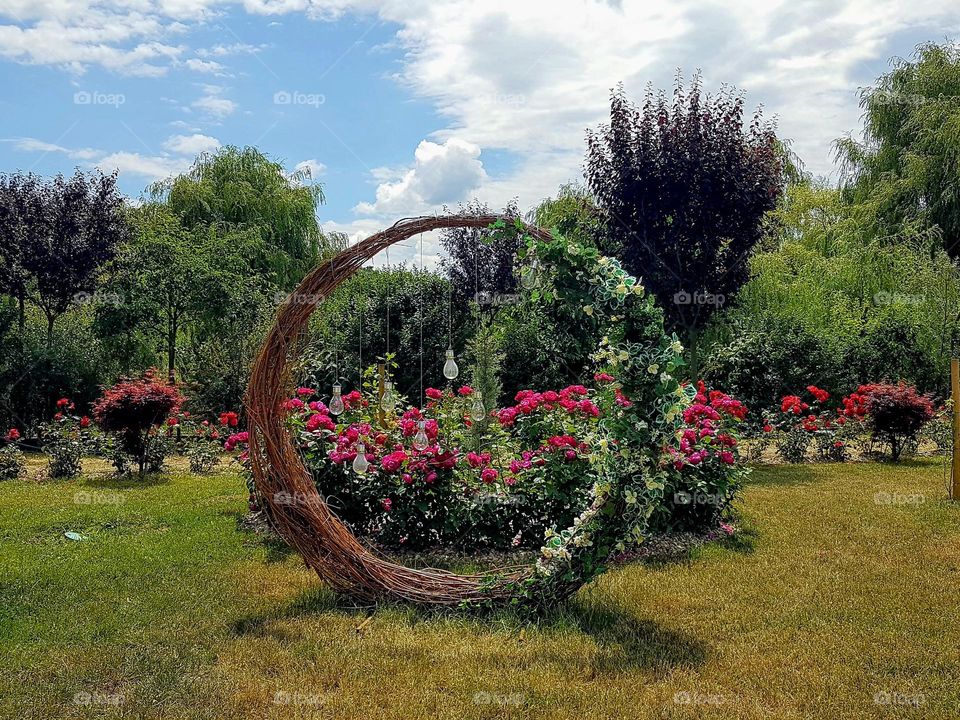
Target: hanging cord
450,314
476,278
360,339
333,334
420,400
388,311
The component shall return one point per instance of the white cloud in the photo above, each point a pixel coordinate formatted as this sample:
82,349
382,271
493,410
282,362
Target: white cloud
191,144
75,36
33,145
529,78
213,104
314,168
205,66
442,173
152,167
233,49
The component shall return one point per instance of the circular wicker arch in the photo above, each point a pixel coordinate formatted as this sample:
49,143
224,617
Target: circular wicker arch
301,515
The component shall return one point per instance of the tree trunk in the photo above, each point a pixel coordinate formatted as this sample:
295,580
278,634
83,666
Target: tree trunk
22,316
172,350
51,319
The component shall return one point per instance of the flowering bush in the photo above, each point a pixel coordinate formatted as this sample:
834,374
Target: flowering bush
895,414
66,439
133,411
11,458
198,441
800,424
708,458
892,415
437,476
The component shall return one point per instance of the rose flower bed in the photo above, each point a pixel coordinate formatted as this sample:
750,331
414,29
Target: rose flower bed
442,476
891,416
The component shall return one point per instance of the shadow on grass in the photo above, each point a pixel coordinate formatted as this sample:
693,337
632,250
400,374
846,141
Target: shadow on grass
127,481
624,641
256,529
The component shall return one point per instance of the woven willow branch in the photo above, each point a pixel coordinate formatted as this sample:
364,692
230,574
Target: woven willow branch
301,515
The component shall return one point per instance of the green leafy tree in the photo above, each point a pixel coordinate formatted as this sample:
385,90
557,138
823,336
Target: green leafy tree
169,280
903,176
243,189
573,213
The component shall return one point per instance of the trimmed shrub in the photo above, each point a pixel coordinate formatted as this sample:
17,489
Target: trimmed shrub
133,410
896,414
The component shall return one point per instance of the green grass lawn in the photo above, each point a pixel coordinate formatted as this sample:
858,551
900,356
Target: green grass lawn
832,600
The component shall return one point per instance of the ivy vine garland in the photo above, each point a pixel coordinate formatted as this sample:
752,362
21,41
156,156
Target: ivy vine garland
630,468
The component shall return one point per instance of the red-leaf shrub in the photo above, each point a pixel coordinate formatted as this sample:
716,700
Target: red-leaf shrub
132,408
895,413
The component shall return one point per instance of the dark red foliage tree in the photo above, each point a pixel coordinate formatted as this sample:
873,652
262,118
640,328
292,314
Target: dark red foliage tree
478,260
132,408
683,187
56,237
896,413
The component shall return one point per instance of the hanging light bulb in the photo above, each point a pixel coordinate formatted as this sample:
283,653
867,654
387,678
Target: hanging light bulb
336,402
528,275
450,369
389,399
360,463
420,440
477,411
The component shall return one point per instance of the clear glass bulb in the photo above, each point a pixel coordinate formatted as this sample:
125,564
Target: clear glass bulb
450,369
420,440
360,463
528,275
477,411
389,399
336,402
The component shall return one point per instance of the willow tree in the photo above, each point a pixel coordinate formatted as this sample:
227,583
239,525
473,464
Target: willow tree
903,175
242,189
683,185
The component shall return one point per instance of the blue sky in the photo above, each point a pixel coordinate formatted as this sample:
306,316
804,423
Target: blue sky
402,107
